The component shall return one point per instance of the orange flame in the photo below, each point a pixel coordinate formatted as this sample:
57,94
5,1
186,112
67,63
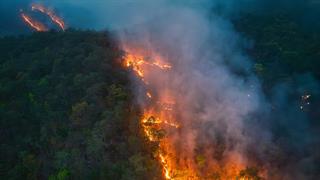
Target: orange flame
51,14
152,123
33,23
160,124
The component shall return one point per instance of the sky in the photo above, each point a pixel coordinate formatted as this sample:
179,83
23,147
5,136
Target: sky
117,14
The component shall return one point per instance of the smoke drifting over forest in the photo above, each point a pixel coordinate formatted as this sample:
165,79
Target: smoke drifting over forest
212,102
221,105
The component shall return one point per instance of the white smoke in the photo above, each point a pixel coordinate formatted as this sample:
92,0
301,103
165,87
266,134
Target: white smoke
211,81
217,94
214,91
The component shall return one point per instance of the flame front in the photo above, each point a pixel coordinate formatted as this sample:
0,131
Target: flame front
50,13
163,123
33,23
156,119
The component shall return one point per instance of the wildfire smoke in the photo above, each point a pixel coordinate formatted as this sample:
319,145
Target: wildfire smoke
162,123
194,106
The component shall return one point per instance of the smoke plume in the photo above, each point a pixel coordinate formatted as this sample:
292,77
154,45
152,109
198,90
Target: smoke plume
214,94
225,119
223,113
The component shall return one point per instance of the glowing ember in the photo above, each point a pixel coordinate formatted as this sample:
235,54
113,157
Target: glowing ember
51,14
149,95
305,101
305,97
33,23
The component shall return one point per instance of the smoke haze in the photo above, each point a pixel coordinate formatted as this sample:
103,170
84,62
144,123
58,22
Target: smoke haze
220,105
223,112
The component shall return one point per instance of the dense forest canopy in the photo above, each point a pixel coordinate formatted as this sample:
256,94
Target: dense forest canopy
67,109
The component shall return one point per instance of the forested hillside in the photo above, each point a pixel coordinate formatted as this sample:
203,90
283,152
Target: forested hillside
283,42
66,111
285,54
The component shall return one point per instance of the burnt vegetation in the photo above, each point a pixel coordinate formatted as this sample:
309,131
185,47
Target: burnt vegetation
67,112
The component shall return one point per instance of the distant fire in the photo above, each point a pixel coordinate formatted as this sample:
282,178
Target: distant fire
162,124
38,26
51,14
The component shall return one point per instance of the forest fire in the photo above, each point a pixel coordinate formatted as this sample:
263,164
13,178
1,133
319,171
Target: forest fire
153,122
33,23
161,123
51,14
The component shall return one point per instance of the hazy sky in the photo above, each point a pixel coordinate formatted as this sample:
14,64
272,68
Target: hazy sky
101,14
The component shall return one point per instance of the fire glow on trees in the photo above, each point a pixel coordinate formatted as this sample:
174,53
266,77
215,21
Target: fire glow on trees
156,119
161,125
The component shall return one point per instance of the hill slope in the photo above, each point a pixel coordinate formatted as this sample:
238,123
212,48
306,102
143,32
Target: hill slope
65,107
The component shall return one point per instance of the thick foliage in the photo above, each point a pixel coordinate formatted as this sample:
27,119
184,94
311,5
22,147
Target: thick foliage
66,110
